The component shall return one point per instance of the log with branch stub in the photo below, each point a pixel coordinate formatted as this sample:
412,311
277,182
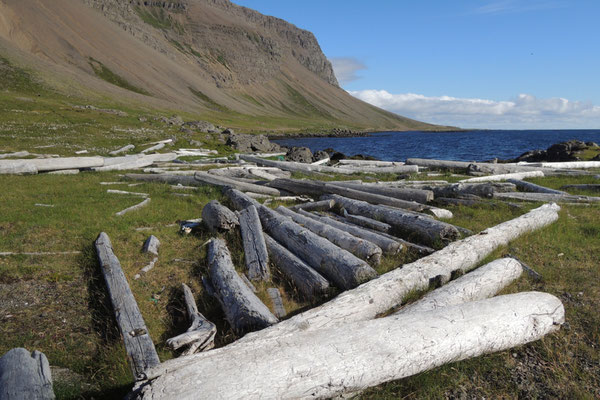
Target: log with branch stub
200,336
361,248
243,310
218,218
309,282
138,344
25,375
255,249
318,364
482,283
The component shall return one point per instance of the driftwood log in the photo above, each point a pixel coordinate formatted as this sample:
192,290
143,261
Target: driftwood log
393,169
340,266
297,167
505,177
409,194
593,187
255,249
370,163
479,189
368,223
243,310
567,164
438,164
323,205
278,307
309,282
134,161
218,218
25,376
318,364
532,187
222,181
17,167
546,197
361,248
482,283
123,149
427,230
200,336
134,207
138,344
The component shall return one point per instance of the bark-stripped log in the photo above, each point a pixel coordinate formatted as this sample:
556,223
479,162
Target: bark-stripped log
135,207
438,164
218,218
278,307
323,205
396,169
138,344
134,161
297,167
200,335
17,167
426,230
309,282
239,185
387,245
123,149
567,164
482,283
340,266
255,249
243,310
370,163
478,189
368,223
496,169
505,177
418,195
592,187
317,364
532,187
25,376
113,191
361,248
546,197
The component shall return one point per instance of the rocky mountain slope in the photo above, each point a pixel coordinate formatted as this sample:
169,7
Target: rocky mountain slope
207,57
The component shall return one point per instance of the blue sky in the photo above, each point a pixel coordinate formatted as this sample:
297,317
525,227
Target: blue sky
489,64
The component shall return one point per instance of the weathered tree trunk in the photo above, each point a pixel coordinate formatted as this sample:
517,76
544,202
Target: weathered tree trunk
25,376
113,191
138,344
566,164
243,310
156,147
165,178
396,169
151,245
17,167
323,205
438,164
426,230
361,248
495,169
123,149
135,207
370,163
478,189
451,201
318,364
278,307
15,154
482,283
340,266
134,161
296,167
594,187
226,182
368,223
309,282
218,218
532,187
255,249
200,335
504,177
547,197
418,195
387,245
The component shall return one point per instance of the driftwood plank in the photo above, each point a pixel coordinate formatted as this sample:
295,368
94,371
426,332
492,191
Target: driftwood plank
255,249
243,310
138,344
25,376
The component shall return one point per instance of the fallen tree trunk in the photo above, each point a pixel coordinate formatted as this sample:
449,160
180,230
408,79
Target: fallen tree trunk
200,335
438,164
395,169
309,282
361,248
341,267
370,163
323,205
504,177
427,230
134,161
387,245
227,182
482,283
452,201
243,310
546,197
567,164
218,218
477,189
318,364
25,376
594,187
138,344
135,207
123,149
496,169
295,166
17,167
532,187
418,195
368,223
255,249
278,307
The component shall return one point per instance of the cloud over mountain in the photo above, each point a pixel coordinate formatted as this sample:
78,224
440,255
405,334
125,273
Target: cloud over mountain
345,68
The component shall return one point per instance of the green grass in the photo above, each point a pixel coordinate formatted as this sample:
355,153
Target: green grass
208,101
103,72
159,19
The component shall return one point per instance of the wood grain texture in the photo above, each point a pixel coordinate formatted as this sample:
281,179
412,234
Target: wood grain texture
25,376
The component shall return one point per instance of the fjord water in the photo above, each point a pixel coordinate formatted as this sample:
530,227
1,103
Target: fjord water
460,146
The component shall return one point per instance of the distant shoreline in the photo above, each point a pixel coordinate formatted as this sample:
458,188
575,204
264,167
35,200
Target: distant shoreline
342,134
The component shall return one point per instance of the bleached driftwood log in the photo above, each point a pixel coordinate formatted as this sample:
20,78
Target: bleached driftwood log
545,197
504,177
21,167
532,187
395,169
151,245
222,181
427,230
64,172
594,187
134,161
200,335
113,191
418,195
53,164
567,164
15,154
309,282
437,164
218,218
135,207
295,166
156,147
321,161
338,265
389,290
243,310
255,249
482,283
387,245
479,189
370,163
499,169
138,344
123,149
323,205
317,364
368,223
278,307
146,268
361,248
25,376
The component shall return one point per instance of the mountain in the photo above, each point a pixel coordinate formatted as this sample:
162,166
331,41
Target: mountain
210,58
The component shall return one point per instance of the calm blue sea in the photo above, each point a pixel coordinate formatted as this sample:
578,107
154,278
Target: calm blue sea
460,146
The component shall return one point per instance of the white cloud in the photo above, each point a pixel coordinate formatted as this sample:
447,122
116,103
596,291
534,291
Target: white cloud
524,111
514,6
345,68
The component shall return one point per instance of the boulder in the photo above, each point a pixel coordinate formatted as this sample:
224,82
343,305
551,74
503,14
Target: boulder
299,154
228,131
199,126
320,155
249,143
175,120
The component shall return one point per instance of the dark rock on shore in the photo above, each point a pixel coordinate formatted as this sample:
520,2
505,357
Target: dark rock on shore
248,143
299,154
565,151
199,126
320,155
